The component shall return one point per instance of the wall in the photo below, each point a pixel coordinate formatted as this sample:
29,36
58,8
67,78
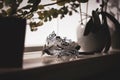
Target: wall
65,28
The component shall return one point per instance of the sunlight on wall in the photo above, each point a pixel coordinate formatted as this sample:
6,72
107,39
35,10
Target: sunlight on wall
66,27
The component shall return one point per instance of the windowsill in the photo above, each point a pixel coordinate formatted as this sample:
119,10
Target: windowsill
35,59
92,67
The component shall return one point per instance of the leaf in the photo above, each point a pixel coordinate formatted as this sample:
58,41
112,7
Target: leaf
27,7
33,29
39,24
50,18
74,9
114,20
76,5
7,2
60,3
54,13
1,5
40,7
96,21
30,16
4,13
46,13
25,12
35,5
41,15
19,1
9,11
45,19
33,26
88,27
82,1
62,16
32,1
70,13
65,10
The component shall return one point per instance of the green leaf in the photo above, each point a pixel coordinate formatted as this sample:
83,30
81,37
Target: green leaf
39,24
33,26
7,2
55,15
62,2
54,12
65,10
40,7
50,18
9,11
19,1
45,19
30,16
41,15
1,5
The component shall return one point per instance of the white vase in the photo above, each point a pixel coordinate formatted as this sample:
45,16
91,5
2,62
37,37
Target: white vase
92,42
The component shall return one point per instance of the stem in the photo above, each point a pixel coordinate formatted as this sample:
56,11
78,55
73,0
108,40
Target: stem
86,11
81,13
55,3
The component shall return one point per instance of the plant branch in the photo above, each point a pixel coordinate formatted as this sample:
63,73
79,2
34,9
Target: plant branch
50,3
55,3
